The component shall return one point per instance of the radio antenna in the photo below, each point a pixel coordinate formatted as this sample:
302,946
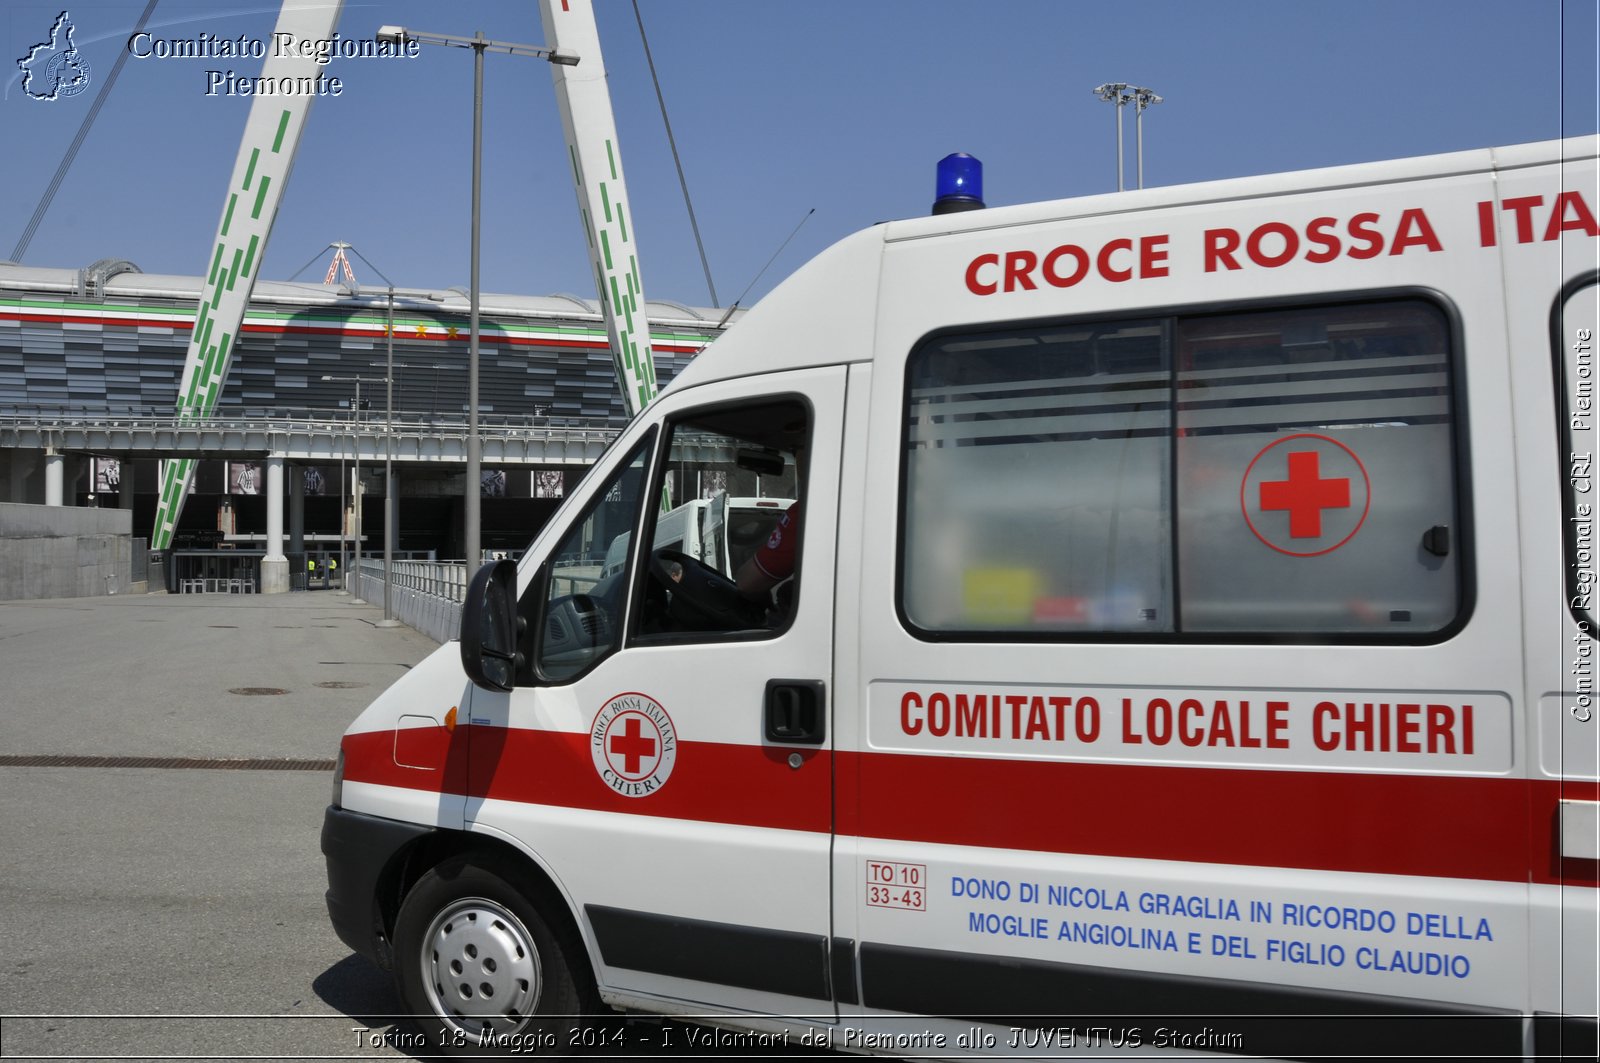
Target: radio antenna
764,269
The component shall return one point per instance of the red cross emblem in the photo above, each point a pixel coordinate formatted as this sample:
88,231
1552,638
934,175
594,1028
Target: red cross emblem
634,745
1305,495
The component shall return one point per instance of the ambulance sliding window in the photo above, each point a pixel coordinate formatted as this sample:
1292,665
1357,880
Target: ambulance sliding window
1315,481
1038,481
1264,473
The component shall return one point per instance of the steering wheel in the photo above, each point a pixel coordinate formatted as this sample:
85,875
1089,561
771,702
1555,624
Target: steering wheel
702,597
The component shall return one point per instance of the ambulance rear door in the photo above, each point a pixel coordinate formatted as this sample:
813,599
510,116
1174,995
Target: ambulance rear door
1542,222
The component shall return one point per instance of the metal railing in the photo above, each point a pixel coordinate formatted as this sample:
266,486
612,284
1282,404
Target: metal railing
372,425
372,420
440,579
425,595
309,435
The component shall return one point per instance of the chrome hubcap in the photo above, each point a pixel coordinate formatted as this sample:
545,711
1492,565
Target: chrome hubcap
480,968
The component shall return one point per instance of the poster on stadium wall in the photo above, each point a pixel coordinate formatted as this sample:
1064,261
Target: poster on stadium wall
506,483
549,483
107,476
244,478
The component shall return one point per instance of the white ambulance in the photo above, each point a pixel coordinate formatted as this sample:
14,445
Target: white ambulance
1190,647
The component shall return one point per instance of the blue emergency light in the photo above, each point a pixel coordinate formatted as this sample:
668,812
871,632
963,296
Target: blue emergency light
958,184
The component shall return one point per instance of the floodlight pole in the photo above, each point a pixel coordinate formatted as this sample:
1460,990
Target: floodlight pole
344,561
472,532
1115,92
356,492
391,498
1142,98
388,431
1121,100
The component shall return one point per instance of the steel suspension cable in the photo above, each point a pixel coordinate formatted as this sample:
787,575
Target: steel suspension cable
77,142
676,161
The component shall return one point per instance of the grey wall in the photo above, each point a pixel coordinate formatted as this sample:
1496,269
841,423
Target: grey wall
64,552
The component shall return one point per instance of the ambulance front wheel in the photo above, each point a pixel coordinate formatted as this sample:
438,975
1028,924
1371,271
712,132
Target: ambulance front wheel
481,970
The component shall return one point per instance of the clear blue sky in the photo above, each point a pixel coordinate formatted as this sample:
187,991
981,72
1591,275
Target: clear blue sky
779,106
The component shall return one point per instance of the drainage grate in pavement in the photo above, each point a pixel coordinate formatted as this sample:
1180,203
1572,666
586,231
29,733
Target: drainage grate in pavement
257,691
208,763
339,684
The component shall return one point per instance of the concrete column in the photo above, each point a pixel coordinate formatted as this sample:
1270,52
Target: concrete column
54,477
274,567
20,465
297,509
125,482
391,537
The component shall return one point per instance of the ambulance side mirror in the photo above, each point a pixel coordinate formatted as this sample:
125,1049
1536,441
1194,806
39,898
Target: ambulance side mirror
489,627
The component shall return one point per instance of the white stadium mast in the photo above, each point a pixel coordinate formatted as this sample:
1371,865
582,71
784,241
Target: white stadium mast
266,155
260,171
591,134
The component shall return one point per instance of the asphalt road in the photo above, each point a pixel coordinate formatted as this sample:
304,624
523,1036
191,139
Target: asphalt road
170,909
165,761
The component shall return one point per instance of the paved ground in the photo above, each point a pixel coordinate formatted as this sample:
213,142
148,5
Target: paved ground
166,909
159,675
183,906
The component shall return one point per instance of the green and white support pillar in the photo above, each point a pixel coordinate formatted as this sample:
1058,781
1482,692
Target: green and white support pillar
591,135
266,155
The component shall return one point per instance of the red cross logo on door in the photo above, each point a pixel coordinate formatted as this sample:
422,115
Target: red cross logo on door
1305,495
634,744
631,748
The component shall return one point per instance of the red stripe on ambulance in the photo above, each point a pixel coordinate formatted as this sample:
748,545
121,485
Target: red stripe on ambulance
1422,825
711,782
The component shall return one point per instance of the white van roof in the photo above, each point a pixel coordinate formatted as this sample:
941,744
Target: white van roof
838,289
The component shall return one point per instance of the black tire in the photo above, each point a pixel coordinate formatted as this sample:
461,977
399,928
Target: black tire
481,970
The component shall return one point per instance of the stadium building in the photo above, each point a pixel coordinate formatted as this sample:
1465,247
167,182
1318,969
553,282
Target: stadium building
91,359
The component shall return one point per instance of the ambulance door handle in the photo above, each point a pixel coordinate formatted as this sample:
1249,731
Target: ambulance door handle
796,711
1436,540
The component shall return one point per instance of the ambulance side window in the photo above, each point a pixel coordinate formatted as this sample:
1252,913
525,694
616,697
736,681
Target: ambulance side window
1265,473
578,621
1316,472
1037,480
725,536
